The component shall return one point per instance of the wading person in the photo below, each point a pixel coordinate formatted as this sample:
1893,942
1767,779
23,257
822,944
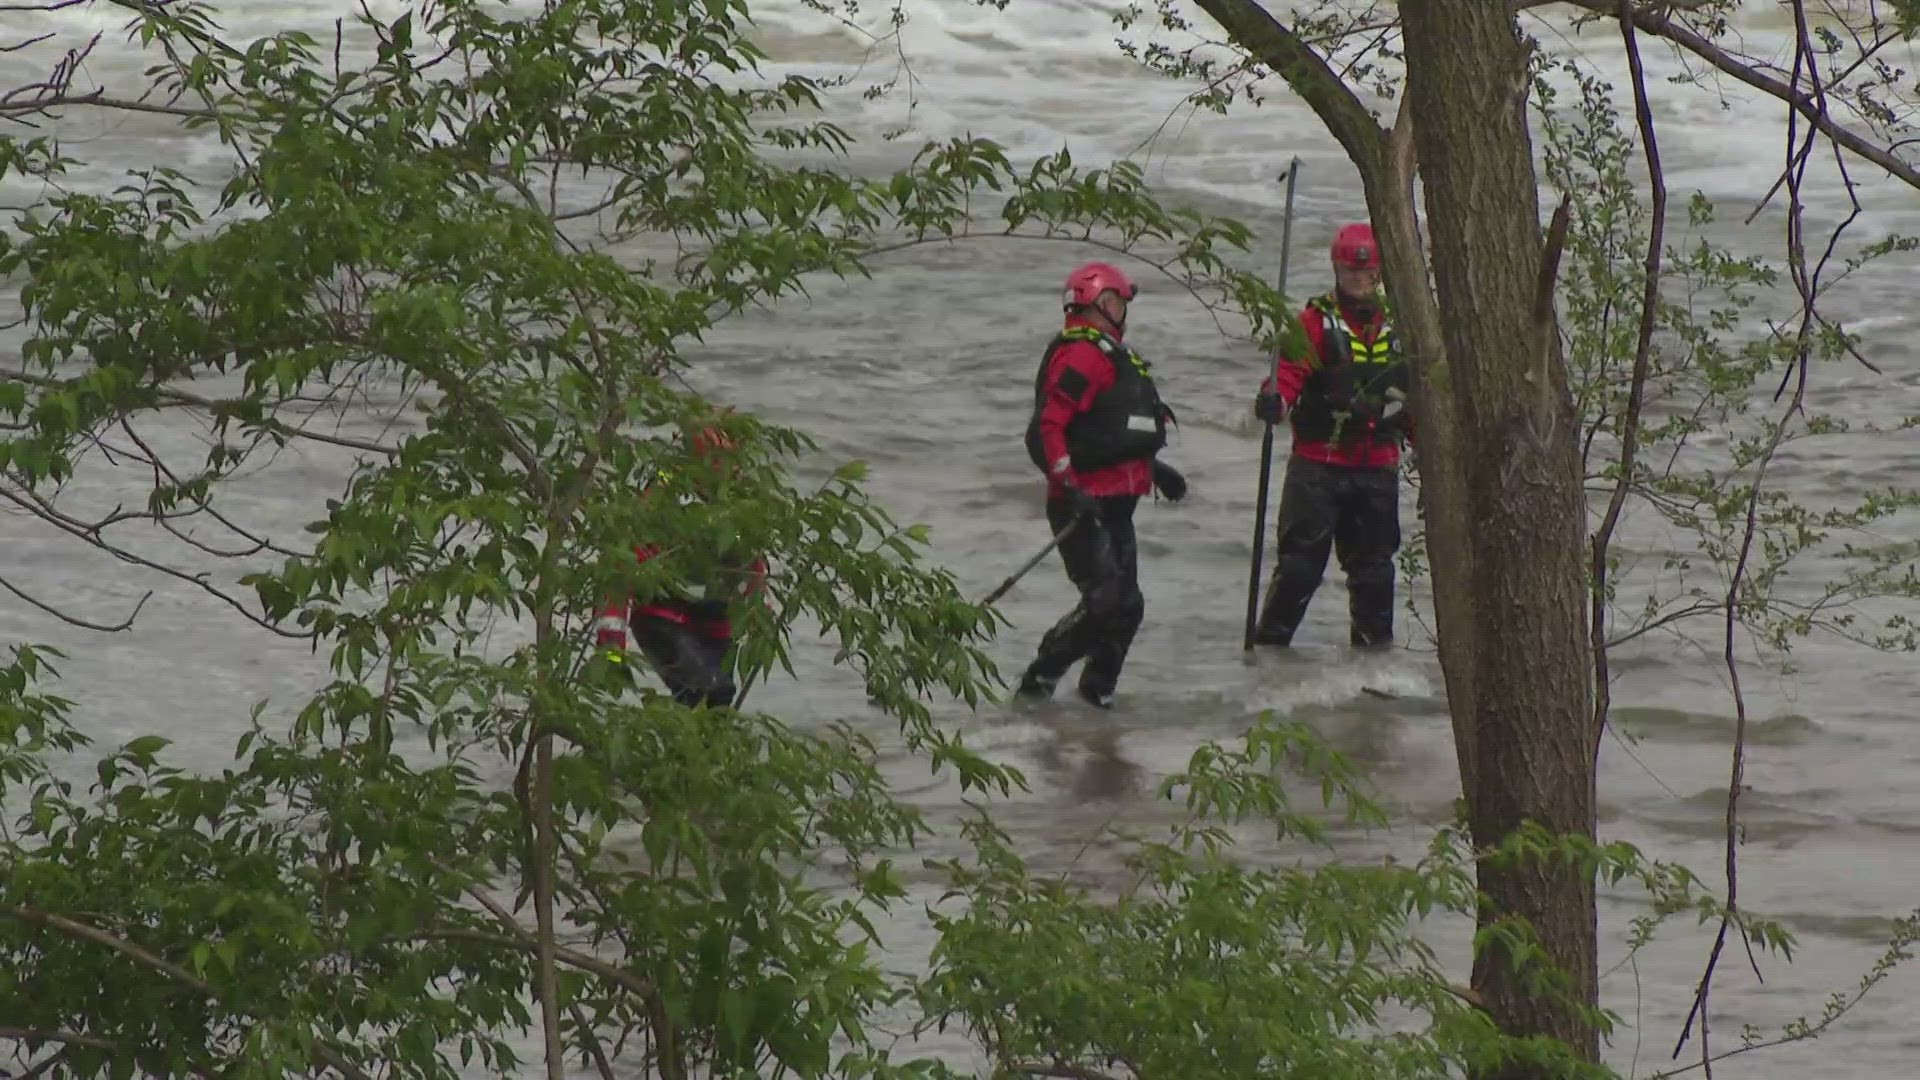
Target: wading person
685,634
1344,394
1097,424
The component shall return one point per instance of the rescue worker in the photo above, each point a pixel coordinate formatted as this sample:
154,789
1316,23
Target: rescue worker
1096,428
686,637
1345,395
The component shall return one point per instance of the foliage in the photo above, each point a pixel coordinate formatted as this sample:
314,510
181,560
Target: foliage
706,883
1711,374
1210,963
450,225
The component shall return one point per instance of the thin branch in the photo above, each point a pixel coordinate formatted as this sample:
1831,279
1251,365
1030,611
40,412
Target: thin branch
1656,21
73,1038
1636,389
1279,48
75,620
168,396
1698,607
1838,1007
44,510
1807,283
99,99
522,942
1060,1069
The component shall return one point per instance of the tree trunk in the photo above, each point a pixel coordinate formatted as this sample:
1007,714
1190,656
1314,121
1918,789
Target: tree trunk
1498,457
1514,544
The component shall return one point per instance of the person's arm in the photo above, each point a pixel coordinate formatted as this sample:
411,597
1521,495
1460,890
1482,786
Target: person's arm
610,628
1078,373
1280,389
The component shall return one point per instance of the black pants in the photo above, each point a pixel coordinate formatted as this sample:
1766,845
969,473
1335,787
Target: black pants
1102,561
1352,511
692,664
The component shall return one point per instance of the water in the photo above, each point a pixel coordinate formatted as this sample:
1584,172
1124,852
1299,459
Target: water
1832,832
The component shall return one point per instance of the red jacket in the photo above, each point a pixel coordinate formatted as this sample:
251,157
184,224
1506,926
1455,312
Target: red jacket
1096,375
1290,376
619,608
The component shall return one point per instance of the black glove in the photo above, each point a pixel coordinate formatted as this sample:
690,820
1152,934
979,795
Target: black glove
1084,506
1269,407
1168,480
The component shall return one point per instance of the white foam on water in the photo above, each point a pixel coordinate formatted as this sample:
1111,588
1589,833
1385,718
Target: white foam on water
1046,74
1340,681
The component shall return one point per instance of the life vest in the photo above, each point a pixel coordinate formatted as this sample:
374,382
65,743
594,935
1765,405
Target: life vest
1351,370
1125,422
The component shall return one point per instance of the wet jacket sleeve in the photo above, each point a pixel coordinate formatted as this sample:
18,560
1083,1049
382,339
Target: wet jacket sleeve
1079,373
610,628
1290,371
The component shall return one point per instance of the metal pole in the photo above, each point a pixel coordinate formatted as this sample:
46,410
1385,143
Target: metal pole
1266,439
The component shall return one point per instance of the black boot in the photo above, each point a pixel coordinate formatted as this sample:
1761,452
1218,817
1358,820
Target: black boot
1039,687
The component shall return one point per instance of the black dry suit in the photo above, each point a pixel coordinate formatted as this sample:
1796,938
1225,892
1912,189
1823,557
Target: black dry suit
1123,425
1127,422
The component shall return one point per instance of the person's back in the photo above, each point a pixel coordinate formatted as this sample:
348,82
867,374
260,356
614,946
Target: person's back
1097,425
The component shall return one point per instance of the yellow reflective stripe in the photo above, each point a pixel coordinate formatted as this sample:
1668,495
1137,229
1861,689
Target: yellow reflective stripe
1108,345
1380,352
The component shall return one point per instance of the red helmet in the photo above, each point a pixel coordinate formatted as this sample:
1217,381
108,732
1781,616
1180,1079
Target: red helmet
1355,249
1085,285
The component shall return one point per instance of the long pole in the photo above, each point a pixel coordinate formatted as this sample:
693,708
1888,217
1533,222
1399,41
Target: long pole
1030,564
1266,439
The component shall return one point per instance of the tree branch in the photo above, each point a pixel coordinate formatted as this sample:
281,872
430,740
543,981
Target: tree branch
1806,280
66,523
1636,389
644,990
75,620
1254,29
19,1034
522,942
98,99
1656,21
1060,1069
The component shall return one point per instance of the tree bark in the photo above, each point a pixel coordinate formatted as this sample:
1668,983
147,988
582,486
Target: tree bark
1528,681
1498,459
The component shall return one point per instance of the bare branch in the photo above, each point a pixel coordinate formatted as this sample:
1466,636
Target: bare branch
1637,387
1282,50
44,510
626,980
1656,21
525,940
98,99
74,619
1806,280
